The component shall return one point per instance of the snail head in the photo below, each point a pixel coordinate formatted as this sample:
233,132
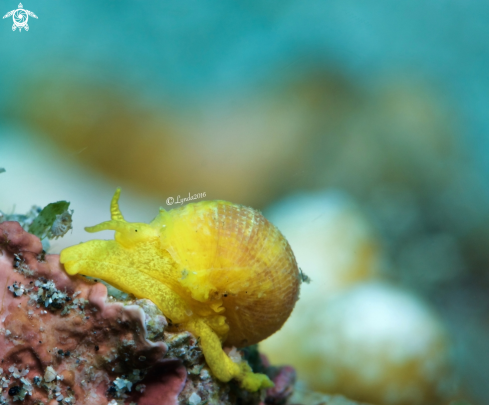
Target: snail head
127,234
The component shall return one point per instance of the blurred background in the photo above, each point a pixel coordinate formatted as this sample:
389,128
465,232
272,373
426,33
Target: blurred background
359,128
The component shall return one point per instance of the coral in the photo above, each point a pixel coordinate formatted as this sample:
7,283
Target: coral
219,270
62,341
369,341
374,343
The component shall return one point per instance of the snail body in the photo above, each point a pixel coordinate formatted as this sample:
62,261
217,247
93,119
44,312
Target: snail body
217,269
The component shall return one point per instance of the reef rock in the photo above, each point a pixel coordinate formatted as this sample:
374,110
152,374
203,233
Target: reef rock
63,341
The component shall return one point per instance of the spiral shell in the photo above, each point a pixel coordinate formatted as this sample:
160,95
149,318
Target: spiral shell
243,259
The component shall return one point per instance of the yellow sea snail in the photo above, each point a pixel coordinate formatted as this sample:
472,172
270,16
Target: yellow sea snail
220,270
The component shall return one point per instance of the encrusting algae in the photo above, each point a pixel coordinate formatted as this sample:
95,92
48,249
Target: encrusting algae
217,269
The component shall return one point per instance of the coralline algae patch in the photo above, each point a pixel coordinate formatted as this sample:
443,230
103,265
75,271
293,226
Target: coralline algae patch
62,341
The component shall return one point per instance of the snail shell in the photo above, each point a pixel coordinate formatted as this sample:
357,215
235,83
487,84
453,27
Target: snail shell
242,258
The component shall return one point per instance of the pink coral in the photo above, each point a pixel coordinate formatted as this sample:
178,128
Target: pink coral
63,341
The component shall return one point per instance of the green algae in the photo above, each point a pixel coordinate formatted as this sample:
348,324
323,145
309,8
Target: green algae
53,221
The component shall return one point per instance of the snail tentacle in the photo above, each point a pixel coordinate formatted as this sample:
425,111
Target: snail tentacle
111,225
115,212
